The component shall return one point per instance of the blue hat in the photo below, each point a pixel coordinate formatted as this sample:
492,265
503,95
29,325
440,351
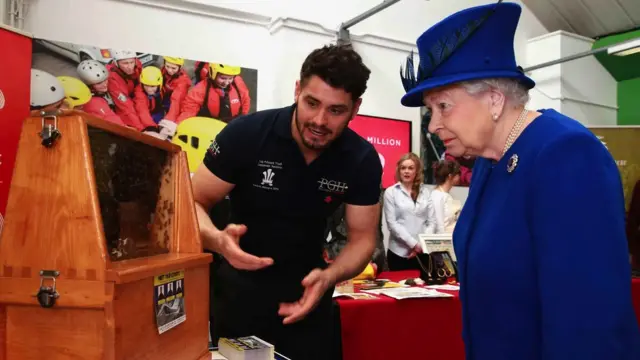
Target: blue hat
475,43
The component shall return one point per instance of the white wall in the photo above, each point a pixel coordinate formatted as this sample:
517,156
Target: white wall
582,89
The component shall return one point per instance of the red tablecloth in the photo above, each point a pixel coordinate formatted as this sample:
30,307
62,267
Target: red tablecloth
385,328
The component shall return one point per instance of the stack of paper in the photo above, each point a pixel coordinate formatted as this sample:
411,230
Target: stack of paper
245,348
409,293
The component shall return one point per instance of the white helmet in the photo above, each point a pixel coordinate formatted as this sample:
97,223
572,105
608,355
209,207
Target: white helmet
46,89
92,72
123,54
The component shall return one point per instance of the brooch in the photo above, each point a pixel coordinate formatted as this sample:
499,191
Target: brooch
513,163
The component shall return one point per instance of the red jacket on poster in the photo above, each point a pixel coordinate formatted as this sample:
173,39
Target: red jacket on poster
99,107
121,88
177,87
240,101
143,107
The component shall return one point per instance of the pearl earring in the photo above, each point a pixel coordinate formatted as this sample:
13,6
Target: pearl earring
495,117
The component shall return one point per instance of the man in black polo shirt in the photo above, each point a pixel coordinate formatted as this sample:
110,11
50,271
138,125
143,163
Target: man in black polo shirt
286,170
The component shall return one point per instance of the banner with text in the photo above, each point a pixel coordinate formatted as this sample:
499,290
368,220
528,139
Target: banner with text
623,142
391,138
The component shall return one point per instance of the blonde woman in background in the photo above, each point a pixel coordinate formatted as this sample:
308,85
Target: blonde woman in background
409,212
447,175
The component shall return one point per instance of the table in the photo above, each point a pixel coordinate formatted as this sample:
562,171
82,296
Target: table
385,328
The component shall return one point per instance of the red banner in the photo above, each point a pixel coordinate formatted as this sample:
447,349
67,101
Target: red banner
15,80
391,138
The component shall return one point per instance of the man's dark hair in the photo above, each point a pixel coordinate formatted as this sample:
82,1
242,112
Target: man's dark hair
339,66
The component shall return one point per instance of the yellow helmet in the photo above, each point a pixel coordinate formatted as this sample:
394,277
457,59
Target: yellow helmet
215,69
194,135
174,60
76,93
151,76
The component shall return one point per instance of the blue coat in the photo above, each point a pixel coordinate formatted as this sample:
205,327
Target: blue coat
542,253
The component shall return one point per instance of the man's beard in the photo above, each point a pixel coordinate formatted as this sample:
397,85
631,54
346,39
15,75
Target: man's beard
306,143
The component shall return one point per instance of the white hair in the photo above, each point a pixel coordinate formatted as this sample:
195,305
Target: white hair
516,93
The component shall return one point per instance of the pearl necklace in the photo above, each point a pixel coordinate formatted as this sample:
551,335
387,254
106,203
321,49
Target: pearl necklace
515,131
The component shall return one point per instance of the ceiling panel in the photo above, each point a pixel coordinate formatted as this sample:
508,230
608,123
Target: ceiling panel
632,7
591,18
611,14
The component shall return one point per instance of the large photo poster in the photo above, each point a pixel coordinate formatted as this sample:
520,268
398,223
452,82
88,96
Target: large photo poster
624,143
391,139
186,101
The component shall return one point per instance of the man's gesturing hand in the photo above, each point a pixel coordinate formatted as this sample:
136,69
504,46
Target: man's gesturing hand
315,285
229,240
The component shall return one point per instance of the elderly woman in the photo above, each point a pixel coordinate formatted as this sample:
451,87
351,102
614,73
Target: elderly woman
540,243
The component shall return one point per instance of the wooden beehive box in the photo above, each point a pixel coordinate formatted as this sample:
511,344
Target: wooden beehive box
109,213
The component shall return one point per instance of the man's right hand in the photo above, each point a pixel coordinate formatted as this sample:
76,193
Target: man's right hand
229,241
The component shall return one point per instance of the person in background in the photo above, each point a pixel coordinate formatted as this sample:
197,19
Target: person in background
540,244
76,93
96,76
466,168
286,171
151,102
337,227
200,71
224,96
124,75
409,212
447,175
47,93
176,85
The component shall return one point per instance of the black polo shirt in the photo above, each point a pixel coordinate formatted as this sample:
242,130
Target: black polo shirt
283,201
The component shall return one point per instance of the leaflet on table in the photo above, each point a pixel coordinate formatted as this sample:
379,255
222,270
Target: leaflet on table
444,287
376,284
409,293
356,296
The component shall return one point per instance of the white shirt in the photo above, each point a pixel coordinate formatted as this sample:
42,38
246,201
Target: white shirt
407,219
446,209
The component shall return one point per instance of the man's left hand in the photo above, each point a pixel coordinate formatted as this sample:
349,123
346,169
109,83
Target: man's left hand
315,285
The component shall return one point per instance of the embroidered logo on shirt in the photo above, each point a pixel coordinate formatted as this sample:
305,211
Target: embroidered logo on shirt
332,186
122,97
268,177
268,170
214,148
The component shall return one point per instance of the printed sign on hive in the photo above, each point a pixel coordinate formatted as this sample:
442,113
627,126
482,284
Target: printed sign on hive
391,139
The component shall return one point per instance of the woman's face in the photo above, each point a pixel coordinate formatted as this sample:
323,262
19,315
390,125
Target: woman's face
150,90
407,171
463,122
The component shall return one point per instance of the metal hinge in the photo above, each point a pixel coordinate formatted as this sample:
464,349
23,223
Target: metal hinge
47,295
49,132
